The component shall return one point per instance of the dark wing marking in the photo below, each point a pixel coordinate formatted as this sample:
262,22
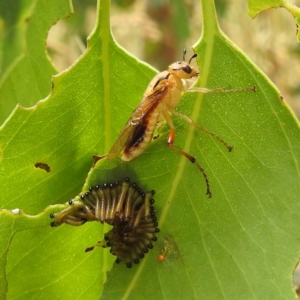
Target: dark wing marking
136,123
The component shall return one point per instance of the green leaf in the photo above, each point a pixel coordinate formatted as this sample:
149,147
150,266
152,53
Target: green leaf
25,70
229,246
257,6
46,153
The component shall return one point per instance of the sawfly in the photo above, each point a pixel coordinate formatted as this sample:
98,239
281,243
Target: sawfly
158,105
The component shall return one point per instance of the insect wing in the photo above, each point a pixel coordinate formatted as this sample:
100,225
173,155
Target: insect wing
139,116
121,141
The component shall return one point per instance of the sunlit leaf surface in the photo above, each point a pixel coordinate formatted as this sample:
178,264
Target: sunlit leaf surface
242,243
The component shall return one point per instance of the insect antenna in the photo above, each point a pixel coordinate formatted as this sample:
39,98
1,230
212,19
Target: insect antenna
184,53
124,206
195,55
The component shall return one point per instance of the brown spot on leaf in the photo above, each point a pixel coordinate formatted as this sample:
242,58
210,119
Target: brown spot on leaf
42,166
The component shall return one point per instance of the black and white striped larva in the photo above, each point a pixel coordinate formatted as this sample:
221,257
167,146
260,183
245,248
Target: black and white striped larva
129,243
124,206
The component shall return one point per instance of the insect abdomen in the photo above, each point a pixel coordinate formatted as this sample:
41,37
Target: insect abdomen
141,138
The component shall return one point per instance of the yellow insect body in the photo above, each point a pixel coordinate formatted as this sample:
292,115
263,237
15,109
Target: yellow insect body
160,99
158,104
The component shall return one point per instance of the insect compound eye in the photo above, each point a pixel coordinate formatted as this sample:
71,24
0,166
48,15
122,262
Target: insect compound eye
124,206
187,69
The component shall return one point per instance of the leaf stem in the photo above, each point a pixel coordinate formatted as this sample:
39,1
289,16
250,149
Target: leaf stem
210,22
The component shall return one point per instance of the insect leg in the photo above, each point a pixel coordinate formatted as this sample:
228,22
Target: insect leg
191,122
219,90
158,131
192,159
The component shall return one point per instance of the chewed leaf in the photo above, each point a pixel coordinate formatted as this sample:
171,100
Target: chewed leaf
257,6
227,247
221,243
46,153
25,70
37,246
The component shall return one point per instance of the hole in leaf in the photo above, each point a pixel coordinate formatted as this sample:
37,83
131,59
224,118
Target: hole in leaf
296,280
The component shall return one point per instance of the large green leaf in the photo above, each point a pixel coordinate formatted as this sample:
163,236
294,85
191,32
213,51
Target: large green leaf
62,133
25,70
229,246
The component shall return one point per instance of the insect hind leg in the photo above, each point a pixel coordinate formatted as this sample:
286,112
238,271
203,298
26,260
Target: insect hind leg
191,122
192,159
220,90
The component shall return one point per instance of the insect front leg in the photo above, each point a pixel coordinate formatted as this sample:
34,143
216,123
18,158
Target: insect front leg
219,90
170,142
191,122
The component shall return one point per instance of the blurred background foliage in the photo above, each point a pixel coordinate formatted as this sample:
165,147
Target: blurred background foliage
157,31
